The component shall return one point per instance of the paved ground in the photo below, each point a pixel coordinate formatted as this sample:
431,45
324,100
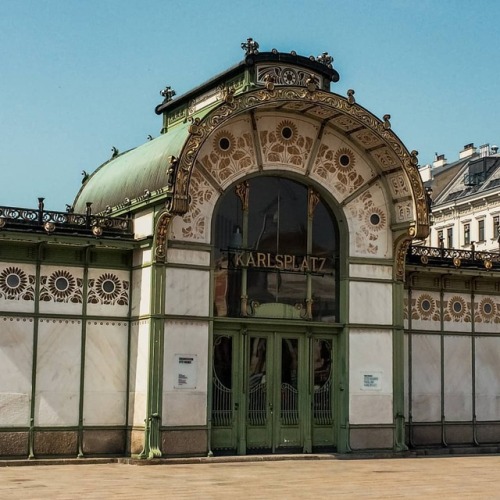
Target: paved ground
436,477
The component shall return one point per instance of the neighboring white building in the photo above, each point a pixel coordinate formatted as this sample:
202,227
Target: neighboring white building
465,199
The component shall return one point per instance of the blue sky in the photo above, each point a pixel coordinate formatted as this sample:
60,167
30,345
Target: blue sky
80,76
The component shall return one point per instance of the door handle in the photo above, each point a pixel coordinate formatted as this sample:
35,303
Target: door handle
271,408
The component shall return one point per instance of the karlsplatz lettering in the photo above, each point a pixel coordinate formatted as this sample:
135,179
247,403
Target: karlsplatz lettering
281,262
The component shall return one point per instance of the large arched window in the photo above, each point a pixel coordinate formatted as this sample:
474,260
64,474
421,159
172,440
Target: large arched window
276,252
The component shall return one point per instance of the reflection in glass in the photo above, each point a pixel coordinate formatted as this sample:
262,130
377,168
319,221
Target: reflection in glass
322,357
276,238
222,407
257,386
289,387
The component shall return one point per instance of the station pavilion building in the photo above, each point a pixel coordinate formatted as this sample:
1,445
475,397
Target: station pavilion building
237,285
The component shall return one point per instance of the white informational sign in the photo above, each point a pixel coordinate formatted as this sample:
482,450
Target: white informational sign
186,368
371,381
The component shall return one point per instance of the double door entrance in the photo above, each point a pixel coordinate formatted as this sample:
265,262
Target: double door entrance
272,392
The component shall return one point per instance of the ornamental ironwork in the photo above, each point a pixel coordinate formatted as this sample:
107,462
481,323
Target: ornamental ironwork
453,258
47,221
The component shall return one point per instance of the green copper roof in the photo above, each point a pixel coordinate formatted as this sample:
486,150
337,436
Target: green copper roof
130,174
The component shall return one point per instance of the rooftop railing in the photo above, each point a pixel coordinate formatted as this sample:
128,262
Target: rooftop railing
47,221
452,257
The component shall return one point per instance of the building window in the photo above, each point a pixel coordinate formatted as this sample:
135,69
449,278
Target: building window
449,236
496,222
466,234
440,238
480,230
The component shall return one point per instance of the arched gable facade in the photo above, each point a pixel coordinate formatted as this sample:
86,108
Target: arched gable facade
359,169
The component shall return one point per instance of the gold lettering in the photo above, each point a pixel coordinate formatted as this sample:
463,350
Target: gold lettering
261,259
238,260
305,264
313,262
322,263
251,260
288,262
279,261
269,257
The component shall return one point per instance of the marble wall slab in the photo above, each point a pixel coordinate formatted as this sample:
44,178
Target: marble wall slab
16,362
189,257
185,406
371,271
426,378
370,360
17,287
105,389
108,292
143,224
138,375
370,303
58,372
458,378
141,292
141,256
187,292
61,290
488,378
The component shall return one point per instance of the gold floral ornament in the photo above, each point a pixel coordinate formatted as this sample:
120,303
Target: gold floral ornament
376,219
13,281
286,133
487,309
457,307
224,143
61,284
108,286
426,306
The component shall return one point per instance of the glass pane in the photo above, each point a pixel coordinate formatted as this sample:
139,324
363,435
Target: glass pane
322,359
257,384
289,383
222,405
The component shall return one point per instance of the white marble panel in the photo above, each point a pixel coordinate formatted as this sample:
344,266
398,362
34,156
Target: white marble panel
487,313
457,315
105,389
61,290
108,292
185,406
190,257
58,372
141,256
370,354
488,378
426,378
16,361
458,378
371,271
17,287
425,310
141,291
370,303
138,375
187,292
369,219
143,224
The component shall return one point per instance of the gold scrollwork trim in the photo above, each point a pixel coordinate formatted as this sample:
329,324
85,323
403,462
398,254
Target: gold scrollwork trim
161,235
201,130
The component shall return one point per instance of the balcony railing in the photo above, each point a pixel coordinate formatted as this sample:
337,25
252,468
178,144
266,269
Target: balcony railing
451,257
47,221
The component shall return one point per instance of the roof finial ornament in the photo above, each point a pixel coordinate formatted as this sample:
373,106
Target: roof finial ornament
312,83
387,123
414,158
350,96
114,152
167,93
250,47
325,59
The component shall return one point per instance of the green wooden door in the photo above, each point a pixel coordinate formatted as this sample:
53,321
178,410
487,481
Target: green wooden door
272,392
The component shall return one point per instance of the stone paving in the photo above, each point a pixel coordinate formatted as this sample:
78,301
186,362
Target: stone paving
297,478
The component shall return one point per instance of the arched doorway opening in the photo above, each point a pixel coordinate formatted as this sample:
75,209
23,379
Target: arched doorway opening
276,310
